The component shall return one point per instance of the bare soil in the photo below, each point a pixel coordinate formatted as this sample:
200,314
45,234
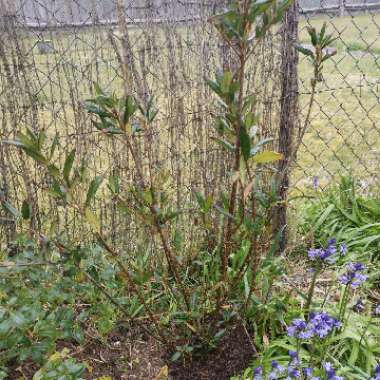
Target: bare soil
124,356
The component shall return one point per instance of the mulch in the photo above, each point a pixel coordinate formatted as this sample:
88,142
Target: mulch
127,356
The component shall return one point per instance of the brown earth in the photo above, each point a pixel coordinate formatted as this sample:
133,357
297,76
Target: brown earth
124,356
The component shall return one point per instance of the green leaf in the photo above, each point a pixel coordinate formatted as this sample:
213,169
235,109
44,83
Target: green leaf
225,82
313,35
176,356
258,146
92,190
267,157
54,146
130,108
224,144
114,184
25,210
92,219
36,155
53,171
9,208
324,216
304,51
98,89
245,143
68,166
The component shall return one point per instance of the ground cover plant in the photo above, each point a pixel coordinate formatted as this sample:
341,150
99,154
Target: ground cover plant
343,211
331,336
186,292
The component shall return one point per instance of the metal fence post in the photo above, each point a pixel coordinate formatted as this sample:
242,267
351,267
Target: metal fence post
342,6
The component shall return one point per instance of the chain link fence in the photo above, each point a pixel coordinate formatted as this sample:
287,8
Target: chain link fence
344,135
53,51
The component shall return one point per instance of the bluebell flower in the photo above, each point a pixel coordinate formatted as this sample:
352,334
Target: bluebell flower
355,267
315,182
377,309
319,325
377,373
297,328
330,372
293,372
353,277
277,367
327,255
294,360
315,254
359,306
293,355
308,372
258,373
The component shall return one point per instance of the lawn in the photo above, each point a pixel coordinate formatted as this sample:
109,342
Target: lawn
345,121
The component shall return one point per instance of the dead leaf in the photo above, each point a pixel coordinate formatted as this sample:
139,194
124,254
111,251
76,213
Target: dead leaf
163,374
247,190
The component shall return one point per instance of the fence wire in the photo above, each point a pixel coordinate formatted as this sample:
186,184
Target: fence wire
52,52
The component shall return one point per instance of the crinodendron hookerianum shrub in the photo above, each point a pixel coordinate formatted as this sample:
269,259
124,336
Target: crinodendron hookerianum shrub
189,294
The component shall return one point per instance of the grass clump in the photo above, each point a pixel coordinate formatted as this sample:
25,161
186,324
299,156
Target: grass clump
342,211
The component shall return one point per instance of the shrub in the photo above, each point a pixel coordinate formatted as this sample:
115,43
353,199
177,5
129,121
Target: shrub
191,293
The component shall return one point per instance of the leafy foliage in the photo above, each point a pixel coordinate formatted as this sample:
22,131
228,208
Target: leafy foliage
191,293
325,338
41,304
60,366
342,212
229,270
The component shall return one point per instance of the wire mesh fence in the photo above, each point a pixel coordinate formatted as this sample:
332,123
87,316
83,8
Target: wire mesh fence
52,52
343,138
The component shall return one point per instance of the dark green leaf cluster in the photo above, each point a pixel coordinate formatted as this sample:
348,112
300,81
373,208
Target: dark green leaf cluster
321,49
40,305
119,115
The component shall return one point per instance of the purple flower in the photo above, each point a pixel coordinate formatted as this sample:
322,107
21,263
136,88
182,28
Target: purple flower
353,277
356,267
277,370
328,254
359,306
293,355
343,249
278,367
293,372
315,254
315,182
377,373
309,374
331,241
294,360
377,312
258,373
330,372
319,325
297,328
